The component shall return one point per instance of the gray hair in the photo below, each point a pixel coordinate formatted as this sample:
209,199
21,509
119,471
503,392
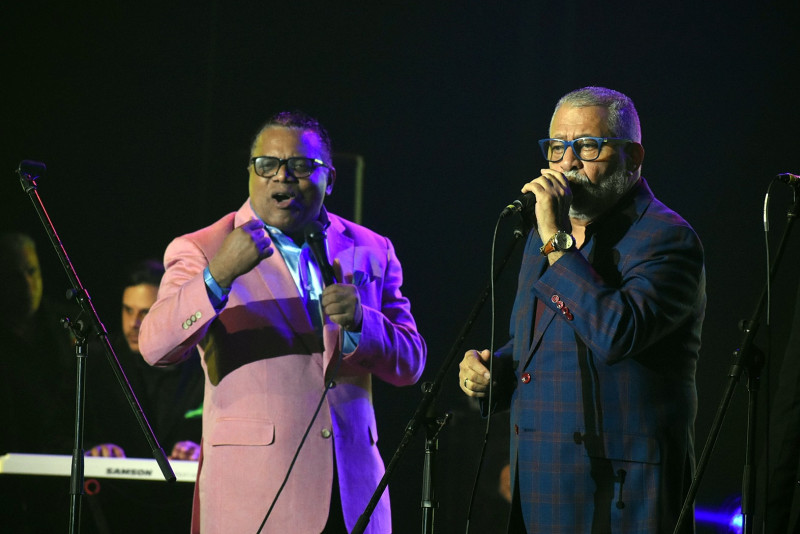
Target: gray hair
623,120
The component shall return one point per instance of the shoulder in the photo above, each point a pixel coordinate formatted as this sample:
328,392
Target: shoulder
206,239
361,235
654,213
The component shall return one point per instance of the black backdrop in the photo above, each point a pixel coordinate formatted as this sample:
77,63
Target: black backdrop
143,113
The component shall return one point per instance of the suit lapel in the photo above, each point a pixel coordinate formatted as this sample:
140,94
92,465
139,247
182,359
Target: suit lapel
341,247
535,330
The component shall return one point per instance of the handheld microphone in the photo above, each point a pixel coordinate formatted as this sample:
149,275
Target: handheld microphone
315,237
789,178
525,204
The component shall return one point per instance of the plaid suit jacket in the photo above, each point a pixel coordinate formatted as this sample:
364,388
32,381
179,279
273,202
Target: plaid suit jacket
602,391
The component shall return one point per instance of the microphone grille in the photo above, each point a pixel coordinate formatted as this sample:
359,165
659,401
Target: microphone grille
313,231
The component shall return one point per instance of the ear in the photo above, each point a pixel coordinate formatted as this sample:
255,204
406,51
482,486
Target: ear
331,179
635,153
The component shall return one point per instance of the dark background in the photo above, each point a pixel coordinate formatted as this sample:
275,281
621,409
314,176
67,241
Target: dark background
144,113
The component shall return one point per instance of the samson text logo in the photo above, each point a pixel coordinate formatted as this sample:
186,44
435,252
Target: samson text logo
129,472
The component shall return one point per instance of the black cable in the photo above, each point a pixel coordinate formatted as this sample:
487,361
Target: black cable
328,386
492,314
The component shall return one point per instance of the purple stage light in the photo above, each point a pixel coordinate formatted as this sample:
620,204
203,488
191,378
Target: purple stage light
726,519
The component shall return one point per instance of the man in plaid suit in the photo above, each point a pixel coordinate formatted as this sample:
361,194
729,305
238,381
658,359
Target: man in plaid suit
599,373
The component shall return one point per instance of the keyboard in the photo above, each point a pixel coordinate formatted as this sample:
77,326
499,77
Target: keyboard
95,467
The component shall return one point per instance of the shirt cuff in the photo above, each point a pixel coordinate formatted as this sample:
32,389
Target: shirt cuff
350,341
217,294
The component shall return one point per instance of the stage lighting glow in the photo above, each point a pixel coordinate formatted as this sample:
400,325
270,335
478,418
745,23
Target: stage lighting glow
727,518
736,520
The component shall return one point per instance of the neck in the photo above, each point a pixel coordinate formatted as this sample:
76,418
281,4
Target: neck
579,230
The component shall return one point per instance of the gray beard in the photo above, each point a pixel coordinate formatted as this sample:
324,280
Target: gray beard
592,200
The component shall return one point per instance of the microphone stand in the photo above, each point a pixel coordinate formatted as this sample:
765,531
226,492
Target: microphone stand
742,361
422,415
29,172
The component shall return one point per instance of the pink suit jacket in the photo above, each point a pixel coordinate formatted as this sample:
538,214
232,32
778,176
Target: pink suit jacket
265,373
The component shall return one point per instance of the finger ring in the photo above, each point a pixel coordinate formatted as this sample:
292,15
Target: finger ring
465,382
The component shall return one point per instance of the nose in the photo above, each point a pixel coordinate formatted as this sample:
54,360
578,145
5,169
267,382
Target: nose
284,174
570,160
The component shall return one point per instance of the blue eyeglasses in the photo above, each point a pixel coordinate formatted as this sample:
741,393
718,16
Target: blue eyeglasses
585,148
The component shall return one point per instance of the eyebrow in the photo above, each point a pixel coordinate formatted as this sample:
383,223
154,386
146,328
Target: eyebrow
577,136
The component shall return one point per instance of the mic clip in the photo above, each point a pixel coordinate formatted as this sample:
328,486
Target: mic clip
514,207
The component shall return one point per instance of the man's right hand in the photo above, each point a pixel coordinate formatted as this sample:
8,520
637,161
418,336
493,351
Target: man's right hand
241,250
473,375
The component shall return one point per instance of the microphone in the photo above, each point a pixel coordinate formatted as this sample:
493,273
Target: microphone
789,178
31,170
315,237
525,204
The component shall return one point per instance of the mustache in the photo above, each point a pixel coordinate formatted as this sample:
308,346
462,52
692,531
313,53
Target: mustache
576,177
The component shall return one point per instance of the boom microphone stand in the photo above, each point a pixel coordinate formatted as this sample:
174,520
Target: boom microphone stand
743,360
29,172
423,414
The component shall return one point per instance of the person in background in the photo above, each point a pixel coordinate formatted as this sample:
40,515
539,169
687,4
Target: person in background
171,397
37,387
283,347
599,373
38,358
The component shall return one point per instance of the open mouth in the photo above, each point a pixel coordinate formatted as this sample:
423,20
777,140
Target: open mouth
283,198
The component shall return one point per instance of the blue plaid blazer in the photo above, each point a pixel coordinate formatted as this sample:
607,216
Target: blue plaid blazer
602,391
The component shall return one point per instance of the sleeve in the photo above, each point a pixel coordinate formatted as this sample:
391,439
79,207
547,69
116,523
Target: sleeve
183,311
503,382
661,286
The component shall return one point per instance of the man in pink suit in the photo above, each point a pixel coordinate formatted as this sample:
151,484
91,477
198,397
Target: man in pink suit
272,339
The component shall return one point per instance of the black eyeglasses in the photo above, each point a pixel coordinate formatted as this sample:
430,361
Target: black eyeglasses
299,167
585,148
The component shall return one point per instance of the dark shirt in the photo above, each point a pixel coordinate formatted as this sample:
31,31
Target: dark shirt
170,398
37,415
37,385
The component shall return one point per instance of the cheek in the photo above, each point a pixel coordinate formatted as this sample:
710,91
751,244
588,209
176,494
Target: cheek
315,190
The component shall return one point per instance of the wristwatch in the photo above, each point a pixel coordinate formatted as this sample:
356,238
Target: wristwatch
560,241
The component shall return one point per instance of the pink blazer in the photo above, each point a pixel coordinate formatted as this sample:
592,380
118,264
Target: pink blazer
265,373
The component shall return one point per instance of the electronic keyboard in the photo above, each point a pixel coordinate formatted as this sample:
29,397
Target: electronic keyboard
95,467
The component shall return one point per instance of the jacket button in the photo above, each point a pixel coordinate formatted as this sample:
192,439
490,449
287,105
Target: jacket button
516,429
326,433
526,377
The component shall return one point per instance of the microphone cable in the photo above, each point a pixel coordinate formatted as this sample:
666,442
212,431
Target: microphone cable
490,393
328,385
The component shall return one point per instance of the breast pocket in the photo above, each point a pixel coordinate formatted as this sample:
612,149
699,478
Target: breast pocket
242,431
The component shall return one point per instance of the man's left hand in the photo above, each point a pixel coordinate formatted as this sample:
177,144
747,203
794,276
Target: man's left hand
342,303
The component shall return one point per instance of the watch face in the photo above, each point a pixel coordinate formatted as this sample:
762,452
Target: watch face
563,241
